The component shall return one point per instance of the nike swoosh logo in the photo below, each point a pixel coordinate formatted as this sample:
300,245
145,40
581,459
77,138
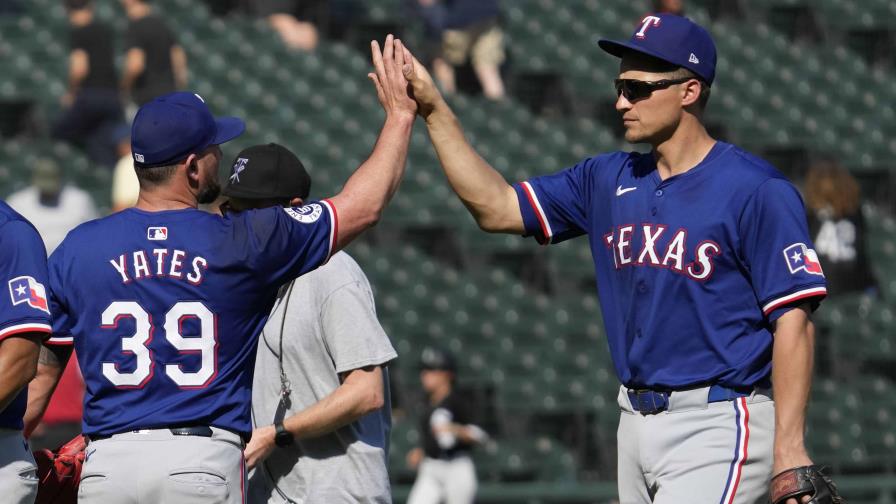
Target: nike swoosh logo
620,191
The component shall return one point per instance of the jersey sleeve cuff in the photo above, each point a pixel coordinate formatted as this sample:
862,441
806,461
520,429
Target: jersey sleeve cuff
773,308
534,218
334,227
60,340
26,327
373,361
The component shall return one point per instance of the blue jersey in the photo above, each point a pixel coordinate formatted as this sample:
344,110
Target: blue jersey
164,308
692,271
24,306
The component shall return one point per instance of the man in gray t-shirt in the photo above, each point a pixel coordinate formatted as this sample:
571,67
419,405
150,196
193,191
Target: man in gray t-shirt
320,399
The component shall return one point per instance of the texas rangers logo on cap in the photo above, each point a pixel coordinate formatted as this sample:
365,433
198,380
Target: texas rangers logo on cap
157,233
25,289
646,23
799,257
238,168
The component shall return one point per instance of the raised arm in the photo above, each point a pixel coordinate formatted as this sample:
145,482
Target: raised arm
367,192
488,197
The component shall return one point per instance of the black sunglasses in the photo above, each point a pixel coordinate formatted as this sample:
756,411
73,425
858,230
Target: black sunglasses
633,89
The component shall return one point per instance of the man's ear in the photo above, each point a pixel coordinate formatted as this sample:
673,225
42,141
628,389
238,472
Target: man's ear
192,165
296,202
692,92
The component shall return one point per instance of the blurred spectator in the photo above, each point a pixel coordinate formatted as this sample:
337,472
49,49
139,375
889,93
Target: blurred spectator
837,227
669,6
125,186
91,105
445,471
470,30
53,206
432,15
154,62
281,15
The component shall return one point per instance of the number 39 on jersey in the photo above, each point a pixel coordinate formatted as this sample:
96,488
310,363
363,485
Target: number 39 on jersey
205,343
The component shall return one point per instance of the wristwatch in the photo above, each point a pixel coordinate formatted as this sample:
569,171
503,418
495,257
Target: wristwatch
282,437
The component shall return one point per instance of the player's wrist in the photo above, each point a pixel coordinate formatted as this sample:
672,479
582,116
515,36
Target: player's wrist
282,437
401,116
438,112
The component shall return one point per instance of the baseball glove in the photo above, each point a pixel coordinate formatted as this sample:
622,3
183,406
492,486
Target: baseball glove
59,472
806,480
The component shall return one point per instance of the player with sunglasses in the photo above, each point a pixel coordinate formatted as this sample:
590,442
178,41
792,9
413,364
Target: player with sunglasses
705,270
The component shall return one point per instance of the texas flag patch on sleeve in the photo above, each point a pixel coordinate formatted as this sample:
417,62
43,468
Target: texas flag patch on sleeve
799,257
25,289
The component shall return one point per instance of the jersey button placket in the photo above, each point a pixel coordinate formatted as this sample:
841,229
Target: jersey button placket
654,208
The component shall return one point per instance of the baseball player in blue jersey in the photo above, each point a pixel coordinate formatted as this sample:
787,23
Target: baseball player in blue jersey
24,322
164,303
705,270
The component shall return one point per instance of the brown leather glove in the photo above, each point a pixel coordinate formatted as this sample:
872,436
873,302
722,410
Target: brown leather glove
805,480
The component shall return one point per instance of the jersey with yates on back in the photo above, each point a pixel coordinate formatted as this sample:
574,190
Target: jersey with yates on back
164,308
23,305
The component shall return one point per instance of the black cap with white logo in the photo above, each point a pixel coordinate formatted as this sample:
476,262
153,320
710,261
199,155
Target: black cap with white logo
268,171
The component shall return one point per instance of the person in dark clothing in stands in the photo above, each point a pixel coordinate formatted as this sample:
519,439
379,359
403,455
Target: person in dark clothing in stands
837,227
471,31
91,105
445,471
154,62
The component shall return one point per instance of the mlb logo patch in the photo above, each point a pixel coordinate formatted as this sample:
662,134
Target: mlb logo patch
25,289
157,233
799,257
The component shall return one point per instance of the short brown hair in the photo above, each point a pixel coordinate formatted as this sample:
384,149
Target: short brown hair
684,73
154,176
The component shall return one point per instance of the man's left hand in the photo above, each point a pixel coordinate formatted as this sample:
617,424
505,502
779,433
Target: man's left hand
785,460
260,446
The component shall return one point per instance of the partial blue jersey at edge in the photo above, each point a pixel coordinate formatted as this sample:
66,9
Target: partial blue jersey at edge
692,270
164,308
24,300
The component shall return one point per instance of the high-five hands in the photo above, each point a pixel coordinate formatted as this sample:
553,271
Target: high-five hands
423,88
390,68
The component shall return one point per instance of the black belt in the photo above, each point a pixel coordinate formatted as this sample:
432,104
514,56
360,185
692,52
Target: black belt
199,430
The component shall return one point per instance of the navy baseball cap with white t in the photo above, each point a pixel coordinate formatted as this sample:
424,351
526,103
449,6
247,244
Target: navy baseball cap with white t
169,128
671,38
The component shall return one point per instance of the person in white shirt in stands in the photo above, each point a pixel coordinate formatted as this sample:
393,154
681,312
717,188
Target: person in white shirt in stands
53,206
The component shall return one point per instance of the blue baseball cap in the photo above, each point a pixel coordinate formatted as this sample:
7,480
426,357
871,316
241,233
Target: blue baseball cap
169,128
673,39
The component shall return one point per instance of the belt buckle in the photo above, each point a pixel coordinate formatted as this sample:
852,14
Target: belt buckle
650,406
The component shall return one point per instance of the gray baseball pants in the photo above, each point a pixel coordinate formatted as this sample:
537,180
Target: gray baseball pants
154,465
696,451
18,473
